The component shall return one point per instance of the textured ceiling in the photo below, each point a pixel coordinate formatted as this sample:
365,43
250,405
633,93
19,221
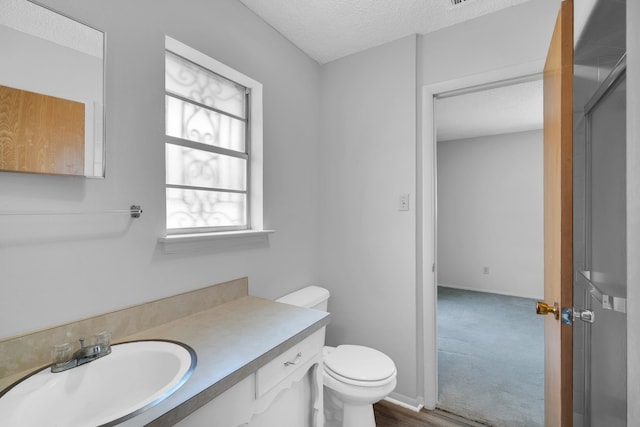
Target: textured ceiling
330,29
30,18
514,108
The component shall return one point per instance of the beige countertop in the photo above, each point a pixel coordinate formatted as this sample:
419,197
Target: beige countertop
231,341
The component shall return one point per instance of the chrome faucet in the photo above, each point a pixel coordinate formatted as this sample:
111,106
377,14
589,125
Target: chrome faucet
85,354
90,353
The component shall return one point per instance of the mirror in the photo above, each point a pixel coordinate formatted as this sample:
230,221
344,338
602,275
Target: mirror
51,92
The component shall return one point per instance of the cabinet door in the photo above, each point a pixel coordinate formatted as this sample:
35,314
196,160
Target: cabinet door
231,409
292,407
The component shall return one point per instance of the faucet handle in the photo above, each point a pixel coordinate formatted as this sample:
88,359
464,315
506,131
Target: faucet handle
61,353
62,357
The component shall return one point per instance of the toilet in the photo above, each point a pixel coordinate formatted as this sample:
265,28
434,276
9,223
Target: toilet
355,377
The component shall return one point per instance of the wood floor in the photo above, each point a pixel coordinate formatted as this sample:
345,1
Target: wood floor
390,415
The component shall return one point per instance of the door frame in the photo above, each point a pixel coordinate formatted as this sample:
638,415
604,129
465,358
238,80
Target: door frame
427,229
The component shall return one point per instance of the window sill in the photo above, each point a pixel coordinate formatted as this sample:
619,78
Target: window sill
220,240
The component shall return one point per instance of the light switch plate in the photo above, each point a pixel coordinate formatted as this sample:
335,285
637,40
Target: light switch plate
403,202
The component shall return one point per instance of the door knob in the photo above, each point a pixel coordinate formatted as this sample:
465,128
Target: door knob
544,308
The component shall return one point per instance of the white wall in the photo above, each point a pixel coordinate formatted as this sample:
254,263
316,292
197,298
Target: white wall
490,214
368,157
57,269
512,36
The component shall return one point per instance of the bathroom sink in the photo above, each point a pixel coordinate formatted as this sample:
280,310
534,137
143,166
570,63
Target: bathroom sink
134,377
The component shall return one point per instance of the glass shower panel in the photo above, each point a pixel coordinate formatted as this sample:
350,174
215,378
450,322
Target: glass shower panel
605,280
608,367
608,138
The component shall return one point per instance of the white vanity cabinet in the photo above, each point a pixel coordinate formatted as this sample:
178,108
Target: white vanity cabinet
287,391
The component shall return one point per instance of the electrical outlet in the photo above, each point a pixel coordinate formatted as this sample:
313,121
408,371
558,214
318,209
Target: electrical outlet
403,202
485,270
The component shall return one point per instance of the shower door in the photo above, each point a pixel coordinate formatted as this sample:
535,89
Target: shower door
600,287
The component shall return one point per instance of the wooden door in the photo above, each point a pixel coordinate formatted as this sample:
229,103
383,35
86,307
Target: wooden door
558,220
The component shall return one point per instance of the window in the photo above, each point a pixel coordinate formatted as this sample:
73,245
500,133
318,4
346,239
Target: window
213,145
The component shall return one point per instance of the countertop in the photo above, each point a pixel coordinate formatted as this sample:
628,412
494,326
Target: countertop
231,341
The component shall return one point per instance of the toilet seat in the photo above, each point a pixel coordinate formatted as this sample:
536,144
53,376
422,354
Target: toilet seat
359,366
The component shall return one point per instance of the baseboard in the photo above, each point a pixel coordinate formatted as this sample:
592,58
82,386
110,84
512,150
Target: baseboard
404,401
492,291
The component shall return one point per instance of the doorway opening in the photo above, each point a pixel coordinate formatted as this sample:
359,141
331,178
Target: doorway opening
489,251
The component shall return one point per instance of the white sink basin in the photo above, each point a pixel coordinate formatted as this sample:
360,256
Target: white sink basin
105,392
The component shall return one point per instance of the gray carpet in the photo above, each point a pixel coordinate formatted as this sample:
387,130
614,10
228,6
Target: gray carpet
490,358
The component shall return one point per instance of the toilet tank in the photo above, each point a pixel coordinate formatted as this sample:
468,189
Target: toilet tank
310,297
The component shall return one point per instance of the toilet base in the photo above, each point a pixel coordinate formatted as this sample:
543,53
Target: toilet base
340,414
358,416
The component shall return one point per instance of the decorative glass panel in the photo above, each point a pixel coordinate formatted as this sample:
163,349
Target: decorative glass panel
207,152
202,209
197,168
198,124
203,86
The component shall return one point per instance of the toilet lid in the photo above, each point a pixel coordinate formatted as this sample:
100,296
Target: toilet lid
360,363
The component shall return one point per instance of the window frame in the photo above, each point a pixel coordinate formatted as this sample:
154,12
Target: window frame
253,145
